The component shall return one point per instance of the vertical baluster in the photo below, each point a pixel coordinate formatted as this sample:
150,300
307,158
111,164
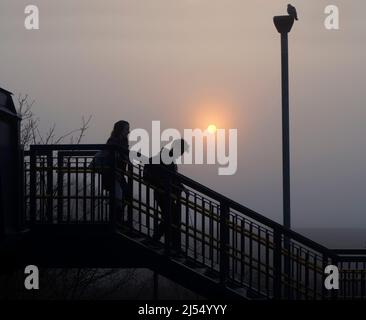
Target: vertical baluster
148,216
195,228
349,279
324,264
224,241
156,215
101,195
85,189
130,195
277,264
112,193
203,229
187,222
211,235
33,186
42,188
49,206
267,261
76,189
68,189
299,267
218,235
345,275
24,189
178,227
139,196
167,217
60,188
242,250
363,280
22,196
294,268
307,275
334,293
232,245
250,255
259,259
354,282
236,255
315,277
92,194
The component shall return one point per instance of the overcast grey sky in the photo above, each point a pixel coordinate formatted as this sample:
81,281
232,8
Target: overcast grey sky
189,63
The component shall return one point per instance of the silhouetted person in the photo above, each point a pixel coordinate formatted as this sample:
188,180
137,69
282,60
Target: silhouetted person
291,10
118,138
162,175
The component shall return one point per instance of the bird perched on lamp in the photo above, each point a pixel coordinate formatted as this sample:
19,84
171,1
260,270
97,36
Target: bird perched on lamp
291,10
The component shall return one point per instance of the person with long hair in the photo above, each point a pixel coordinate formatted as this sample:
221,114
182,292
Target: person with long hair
119,139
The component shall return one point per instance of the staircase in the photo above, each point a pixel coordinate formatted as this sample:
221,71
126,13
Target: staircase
227,250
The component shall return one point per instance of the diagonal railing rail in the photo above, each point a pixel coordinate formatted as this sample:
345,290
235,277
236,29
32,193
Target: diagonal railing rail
239,246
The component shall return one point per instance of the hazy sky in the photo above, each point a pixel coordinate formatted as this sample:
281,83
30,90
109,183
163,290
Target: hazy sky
189,63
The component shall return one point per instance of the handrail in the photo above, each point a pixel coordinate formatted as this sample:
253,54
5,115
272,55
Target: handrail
350,251
230,219
208,192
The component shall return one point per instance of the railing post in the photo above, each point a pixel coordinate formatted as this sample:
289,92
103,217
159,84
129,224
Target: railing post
363,282
277,264
129,196
22,207
287,268
32,186
224,242
168,220
177,221
324,292
335,292
49,188
112,192
60,187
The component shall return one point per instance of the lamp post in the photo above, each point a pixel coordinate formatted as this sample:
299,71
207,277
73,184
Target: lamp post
283,25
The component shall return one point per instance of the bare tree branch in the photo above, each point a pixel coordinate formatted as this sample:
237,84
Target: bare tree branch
31,133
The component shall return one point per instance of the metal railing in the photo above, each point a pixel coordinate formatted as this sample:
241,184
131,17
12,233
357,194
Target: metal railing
235,244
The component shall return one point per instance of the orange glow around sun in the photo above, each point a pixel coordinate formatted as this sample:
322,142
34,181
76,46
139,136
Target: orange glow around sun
210,113
211,128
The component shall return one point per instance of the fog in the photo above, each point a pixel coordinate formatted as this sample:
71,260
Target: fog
189,63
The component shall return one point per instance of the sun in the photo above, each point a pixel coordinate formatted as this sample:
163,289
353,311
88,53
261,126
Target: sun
211,128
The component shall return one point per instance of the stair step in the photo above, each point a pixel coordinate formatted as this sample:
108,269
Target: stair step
160,251
180,259
212,274
200,270
190,263
234,285
242,291
140,239
135,235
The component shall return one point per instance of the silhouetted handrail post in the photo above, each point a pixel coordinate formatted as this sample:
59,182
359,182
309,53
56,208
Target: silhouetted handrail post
129,196
112,192
283,25
60,188
167,216
277,264
22,221
49,177
33,184
224,242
